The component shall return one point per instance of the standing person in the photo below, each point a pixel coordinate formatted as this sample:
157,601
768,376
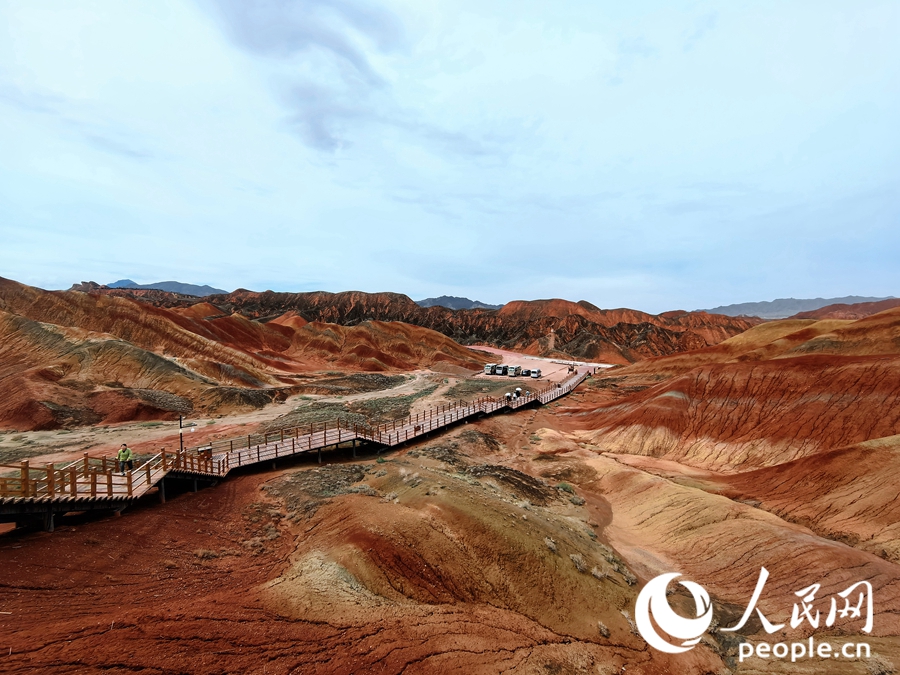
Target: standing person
125,458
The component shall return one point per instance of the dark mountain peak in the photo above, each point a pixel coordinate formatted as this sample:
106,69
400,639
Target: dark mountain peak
87,287
785,307
453,302
170,286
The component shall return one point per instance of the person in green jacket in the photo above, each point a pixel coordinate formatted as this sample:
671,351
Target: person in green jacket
125,458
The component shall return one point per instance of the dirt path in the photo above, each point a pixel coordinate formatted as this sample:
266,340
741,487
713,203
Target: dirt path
59,446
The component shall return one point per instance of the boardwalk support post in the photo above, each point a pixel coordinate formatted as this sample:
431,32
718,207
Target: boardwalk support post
48,519
162,490
24,479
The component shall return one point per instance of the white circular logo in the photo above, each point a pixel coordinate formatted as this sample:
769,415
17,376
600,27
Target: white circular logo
652,599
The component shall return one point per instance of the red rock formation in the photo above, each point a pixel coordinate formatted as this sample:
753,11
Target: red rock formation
545,327
69,358
781,391
848,495
754,414
859,310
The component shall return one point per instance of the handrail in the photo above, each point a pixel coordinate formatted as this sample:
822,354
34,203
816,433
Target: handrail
96,476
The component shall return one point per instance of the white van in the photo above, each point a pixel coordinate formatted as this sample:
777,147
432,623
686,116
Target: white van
514,371
489,368
535,373
501,369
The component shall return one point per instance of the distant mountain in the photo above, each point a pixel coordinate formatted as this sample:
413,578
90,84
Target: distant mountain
785,307
556,328
451,302
171,286
854,312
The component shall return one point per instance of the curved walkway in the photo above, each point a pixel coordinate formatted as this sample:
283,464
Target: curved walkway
93,483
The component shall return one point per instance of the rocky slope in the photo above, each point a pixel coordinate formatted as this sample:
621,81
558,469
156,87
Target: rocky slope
858,310
542,327
70,358
848,494
514,543
472,552
781,391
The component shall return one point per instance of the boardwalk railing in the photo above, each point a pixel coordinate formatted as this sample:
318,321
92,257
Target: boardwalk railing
97,478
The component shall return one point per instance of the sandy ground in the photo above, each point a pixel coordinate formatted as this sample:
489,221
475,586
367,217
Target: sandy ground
473,551
151,437
551,369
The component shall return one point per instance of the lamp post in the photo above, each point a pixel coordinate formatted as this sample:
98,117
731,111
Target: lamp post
181,427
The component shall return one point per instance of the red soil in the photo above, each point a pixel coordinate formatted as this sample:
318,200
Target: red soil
543,327
69,358
859,310
222,582
753,414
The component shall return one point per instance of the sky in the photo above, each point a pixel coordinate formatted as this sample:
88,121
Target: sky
654,155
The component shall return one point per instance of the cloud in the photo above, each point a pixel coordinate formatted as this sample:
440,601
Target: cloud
29,101
65,112
115,147
333,91
282,28
318,115
322,45
702,26
629,52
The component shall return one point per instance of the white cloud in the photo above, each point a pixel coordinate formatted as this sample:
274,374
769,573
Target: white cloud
653,154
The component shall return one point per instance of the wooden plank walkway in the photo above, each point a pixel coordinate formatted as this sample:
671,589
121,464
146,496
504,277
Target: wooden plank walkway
93,482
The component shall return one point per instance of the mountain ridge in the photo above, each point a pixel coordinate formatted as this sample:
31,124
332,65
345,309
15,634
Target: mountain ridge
782,308
454,302
171,286
551,327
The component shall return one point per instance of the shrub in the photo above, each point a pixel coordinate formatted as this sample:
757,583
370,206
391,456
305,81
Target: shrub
578,561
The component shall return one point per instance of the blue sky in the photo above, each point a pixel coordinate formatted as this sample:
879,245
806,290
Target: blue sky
653,155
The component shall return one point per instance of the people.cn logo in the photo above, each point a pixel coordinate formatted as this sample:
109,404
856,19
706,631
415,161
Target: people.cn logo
652,600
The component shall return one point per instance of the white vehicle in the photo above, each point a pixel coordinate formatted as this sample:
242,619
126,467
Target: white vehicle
489,368
535,373
501,369
514,371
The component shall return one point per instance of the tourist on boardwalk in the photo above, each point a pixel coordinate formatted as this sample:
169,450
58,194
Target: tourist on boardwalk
125,458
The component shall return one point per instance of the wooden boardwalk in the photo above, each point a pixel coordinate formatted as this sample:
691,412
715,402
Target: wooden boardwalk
93,483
